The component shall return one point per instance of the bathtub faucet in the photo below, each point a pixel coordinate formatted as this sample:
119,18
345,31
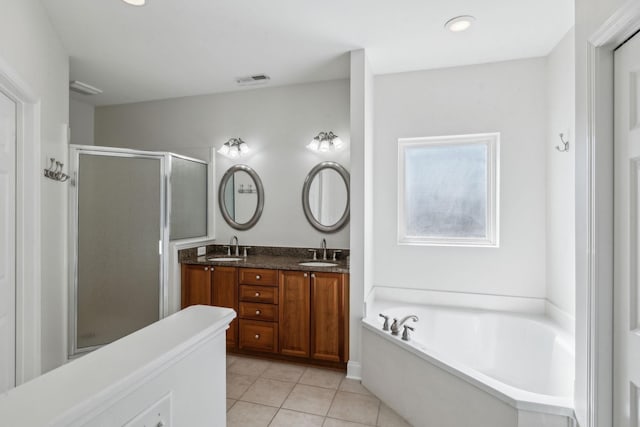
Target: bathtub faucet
395,326
385,327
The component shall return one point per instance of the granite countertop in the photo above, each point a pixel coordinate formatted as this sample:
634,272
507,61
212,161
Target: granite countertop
274,262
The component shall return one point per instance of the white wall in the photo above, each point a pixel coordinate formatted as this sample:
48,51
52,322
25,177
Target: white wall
81,122
276,123
560,249
31,47
507,97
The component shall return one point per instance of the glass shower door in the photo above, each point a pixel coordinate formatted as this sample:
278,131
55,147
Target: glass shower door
120,228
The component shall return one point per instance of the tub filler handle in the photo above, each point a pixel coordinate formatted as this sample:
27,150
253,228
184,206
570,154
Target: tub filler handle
396,325
405,333
385,327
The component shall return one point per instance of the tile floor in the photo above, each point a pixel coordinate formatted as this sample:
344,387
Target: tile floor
261,393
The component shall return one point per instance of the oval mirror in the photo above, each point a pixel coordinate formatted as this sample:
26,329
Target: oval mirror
325,197
241,197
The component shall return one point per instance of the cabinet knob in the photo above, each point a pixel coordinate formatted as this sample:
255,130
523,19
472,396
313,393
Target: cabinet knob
257,336
258,312
257,277
206,269
257,294
313,275
305,274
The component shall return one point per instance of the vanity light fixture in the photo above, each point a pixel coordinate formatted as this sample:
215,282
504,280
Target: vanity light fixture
135,2
234,148
459,23
325,142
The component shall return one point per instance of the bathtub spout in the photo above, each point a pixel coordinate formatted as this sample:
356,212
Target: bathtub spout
395,327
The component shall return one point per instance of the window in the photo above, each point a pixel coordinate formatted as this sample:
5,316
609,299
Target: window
448,190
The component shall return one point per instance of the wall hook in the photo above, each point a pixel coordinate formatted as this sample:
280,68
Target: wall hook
56,174
565,144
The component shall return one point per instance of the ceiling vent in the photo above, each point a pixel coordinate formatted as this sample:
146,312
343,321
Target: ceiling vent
258,79
83,88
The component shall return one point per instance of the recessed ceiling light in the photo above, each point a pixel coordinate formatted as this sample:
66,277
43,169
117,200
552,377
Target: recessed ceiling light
459,23
135,2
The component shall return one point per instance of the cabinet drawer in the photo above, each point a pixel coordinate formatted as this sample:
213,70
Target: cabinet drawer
258,336
258,276
256,311
265,294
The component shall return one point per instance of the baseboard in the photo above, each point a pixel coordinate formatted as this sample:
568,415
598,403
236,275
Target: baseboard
354,370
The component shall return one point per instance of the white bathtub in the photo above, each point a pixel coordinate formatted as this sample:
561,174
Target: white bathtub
465,367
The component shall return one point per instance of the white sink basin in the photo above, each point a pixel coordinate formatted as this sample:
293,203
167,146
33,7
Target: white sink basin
224,259
318,264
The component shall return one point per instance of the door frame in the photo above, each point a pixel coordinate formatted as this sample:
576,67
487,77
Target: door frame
28,242
594,220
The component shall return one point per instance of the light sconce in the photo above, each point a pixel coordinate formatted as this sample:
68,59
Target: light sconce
234,148
326,142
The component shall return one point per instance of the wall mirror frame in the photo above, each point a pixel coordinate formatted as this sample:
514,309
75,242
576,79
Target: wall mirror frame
259,189
306,203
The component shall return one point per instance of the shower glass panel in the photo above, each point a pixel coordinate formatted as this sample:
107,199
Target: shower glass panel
120,202
188,198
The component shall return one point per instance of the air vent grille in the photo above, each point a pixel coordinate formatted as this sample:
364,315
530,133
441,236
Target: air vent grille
258,79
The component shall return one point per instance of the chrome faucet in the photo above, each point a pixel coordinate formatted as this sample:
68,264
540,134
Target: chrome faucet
237,246
385,327
395,326
405,333
324,249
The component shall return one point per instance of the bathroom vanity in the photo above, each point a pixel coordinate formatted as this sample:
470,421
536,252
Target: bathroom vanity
285,310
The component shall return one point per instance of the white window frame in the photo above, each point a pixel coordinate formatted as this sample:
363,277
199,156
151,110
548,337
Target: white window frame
492,141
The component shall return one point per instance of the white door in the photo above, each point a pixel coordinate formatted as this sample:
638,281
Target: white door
7,241
627,235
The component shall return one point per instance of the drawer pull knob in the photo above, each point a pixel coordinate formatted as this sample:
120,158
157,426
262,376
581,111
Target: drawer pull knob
257,336
257,277
258,312
257,294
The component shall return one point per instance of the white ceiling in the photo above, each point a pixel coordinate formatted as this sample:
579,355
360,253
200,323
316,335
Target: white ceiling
172,48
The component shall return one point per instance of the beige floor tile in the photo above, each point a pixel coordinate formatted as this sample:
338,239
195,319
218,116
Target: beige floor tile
284,372
332,422
248,366
355,407
309,399
353,386
287,418
322,378
268,392
230,403
231,359
237,385
245,414
389,418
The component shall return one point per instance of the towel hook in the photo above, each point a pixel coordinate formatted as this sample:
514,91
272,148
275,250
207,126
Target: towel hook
565,144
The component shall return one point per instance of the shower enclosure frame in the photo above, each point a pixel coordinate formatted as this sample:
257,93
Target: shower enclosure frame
163,246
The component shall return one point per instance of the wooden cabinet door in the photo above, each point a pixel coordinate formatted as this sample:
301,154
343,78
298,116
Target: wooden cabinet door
329,317
294,319
225,294
196,285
